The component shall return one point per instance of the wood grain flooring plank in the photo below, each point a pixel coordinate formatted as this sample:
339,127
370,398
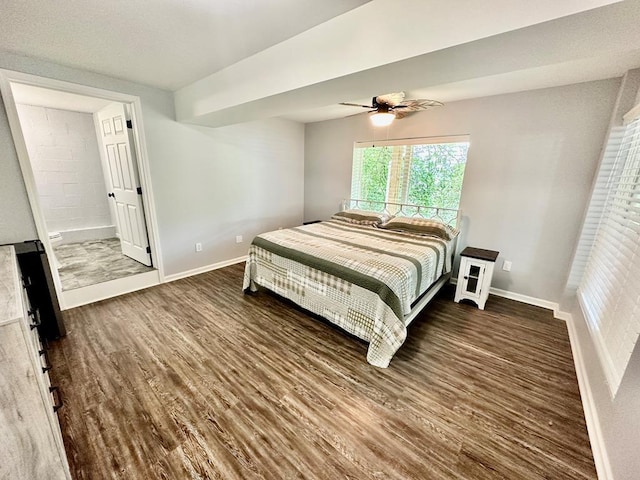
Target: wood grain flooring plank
351,439
207,452
194,379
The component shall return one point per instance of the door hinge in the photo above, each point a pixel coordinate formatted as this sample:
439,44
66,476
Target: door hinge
129,124
139,190
148,249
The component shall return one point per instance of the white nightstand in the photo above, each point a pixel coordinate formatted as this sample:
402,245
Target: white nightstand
474,277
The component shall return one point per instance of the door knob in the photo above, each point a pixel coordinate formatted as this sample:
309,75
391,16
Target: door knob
111,194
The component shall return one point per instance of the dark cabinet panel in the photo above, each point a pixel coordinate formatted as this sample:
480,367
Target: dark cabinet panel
38,281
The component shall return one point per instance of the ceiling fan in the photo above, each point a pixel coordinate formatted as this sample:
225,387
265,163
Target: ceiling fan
390,106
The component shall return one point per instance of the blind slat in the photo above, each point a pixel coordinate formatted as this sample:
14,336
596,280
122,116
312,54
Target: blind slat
610,285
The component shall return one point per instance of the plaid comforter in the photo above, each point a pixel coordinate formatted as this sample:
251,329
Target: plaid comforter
361,278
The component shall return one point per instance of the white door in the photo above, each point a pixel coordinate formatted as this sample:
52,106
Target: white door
125,184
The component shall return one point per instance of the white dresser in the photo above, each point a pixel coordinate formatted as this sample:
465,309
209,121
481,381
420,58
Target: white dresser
31,442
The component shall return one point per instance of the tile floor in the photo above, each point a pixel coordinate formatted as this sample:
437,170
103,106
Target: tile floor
94,261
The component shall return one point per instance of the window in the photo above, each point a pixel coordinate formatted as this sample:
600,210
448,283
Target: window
609,289
423,171
596,206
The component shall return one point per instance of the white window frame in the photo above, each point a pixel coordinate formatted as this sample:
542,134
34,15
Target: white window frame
397,188
609,292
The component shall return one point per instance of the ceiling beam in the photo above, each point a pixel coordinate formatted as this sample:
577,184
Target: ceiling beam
376,48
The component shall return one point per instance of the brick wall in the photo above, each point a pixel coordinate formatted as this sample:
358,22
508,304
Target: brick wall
67,168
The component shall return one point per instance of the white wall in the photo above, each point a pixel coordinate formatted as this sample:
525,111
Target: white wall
66,163
528,176
209,185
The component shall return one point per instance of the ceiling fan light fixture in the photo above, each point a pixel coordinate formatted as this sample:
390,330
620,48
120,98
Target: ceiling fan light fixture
382,119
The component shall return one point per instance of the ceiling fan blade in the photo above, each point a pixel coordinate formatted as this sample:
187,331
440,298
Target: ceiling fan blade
391,99
411,106
419,104
395,103
355,105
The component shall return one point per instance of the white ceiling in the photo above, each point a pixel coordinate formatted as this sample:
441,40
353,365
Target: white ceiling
438,54
163,43
234,61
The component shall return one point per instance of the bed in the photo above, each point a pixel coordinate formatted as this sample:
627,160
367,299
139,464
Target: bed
368,272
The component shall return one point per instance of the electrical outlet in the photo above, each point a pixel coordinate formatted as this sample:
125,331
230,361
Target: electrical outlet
506,266
198,247
238,238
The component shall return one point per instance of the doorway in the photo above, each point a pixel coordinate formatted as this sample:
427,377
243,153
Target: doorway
85,169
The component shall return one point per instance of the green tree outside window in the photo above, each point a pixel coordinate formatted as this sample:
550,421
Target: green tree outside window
423,174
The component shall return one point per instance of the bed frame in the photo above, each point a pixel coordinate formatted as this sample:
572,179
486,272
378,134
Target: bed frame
447,216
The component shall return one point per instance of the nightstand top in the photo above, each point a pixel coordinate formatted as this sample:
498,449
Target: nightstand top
480,254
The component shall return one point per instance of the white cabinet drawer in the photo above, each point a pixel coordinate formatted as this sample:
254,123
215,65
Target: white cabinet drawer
29,445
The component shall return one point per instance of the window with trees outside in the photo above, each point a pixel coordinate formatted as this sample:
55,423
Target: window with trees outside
422,171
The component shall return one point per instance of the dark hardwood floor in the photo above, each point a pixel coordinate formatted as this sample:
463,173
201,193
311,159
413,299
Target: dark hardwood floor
194,380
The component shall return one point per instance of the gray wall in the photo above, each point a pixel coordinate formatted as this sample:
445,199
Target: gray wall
16,221
619,417
529,171
209,184
222,182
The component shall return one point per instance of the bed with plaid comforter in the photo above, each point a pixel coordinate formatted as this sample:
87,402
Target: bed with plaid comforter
361,278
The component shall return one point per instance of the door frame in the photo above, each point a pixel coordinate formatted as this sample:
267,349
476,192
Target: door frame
9,76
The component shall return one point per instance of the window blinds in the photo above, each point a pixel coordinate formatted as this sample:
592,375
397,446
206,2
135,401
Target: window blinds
609,292
596,206
414,141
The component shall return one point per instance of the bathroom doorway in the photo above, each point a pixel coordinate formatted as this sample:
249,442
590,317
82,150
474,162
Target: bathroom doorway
85,185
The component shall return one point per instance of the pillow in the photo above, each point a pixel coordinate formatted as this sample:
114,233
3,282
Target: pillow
361,217
421,226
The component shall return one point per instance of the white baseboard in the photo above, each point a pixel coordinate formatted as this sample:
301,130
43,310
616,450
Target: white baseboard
518,297
206,268
86,234
598,447
537,302
102,291
560,315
